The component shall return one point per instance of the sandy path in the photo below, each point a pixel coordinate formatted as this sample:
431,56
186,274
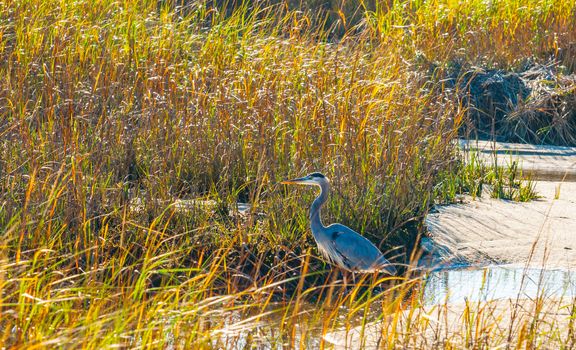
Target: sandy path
540,232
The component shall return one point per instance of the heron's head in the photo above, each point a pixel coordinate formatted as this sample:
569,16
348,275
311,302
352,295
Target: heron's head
316,179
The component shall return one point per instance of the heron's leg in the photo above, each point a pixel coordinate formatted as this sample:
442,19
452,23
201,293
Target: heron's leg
346,275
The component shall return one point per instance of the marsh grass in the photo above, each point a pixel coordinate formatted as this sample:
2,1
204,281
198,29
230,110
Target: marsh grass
104,104
474,177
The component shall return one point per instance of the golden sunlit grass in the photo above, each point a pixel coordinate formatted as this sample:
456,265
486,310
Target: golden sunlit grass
110,112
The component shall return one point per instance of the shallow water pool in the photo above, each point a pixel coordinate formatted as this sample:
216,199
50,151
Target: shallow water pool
496,282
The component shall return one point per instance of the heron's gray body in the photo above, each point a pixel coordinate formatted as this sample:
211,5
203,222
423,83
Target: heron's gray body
351,251
341,245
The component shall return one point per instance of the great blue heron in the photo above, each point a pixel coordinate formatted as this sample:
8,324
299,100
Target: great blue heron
341,245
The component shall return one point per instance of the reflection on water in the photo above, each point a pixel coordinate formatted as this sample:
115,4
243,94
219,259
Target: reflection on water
496,282
279,326
253,327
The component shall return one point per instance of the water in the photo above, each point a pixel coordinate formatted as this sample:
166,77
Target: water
249,328
496,282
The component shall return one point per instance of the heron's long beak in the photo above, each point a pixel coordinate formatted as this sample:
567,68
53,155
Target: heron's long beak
299,181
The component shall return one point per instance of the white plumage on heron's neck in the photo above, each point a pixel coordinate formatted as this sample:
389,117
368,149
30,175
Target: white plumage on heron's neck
315,219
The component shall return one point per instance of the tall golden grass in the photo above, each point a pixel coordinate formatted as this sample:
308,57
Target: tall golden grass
112,112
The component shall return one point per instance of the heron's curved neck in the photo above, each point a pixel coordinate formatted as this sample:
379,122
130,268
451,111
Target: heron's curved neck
315,220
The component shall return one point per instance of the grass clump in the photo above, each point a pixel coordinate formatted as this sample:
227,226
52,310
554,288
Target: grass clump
113,113
474,177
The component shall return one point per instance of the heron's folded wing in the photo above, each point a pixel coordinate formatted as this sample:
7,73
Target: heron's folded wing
358,252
